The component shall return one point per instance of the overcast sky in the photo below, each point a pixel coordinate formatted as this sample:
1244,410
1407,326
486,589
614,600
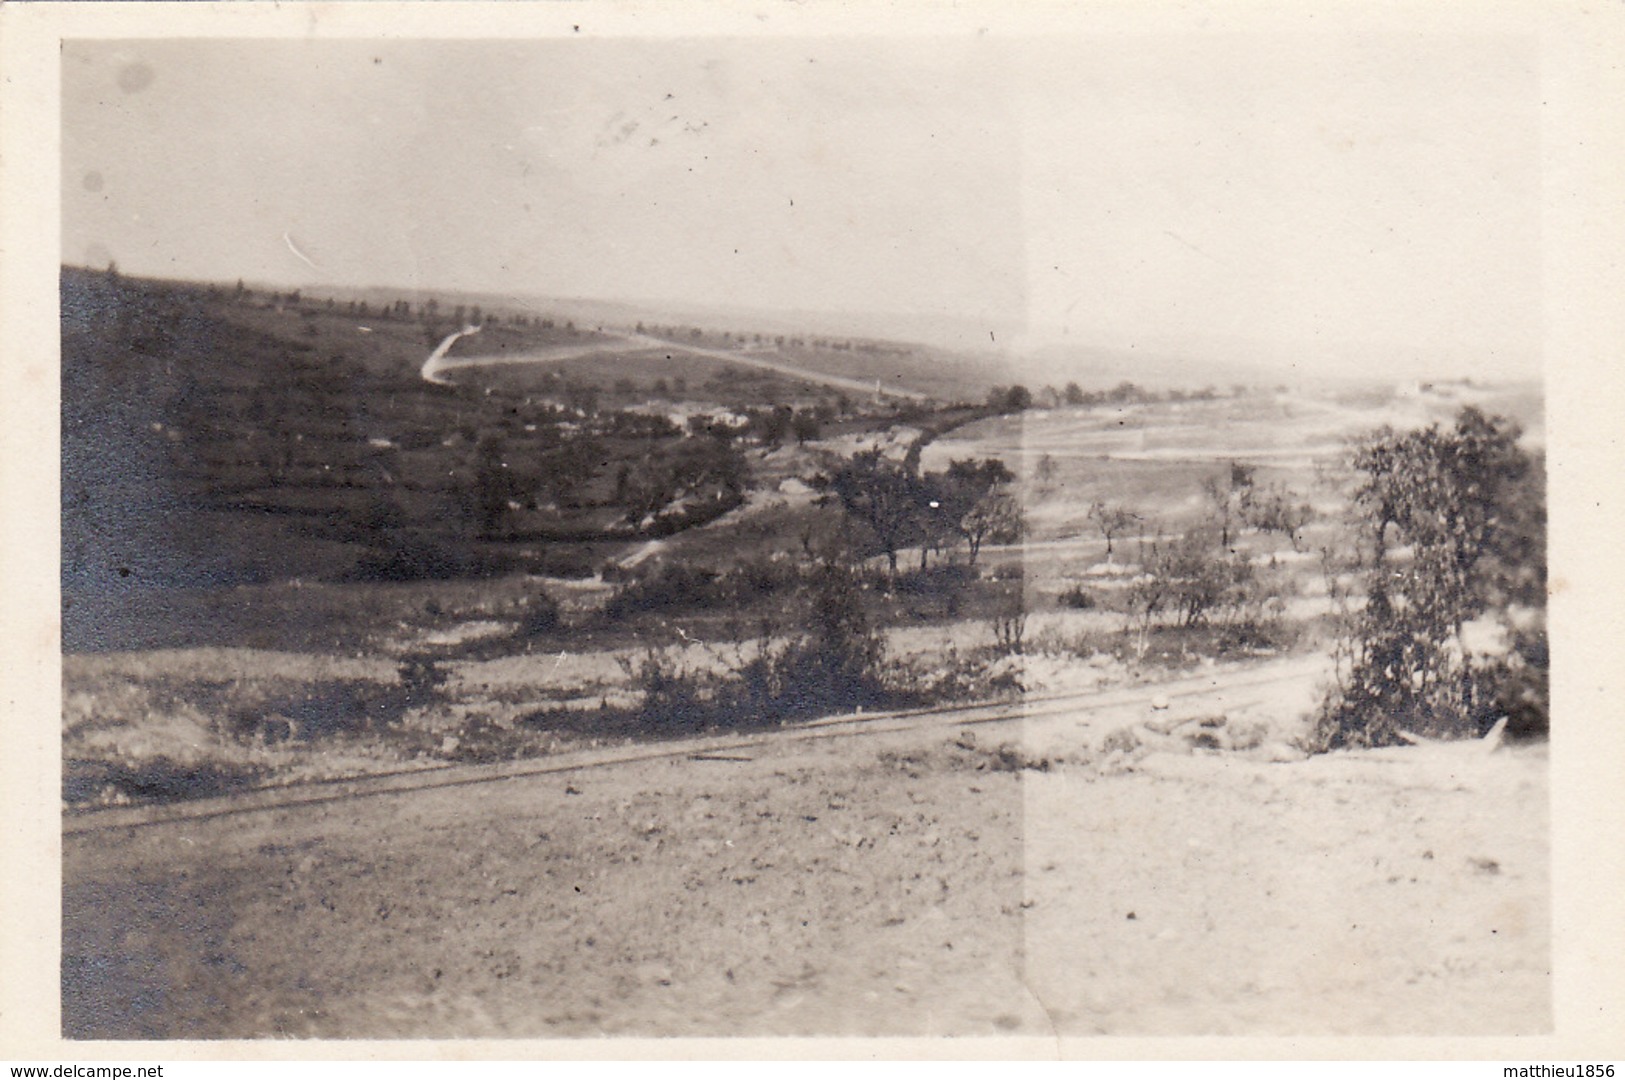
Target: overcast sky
1305,200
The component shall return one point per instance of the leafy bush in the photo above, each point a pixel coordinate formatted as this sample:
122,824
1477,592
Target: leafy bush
420,678
1195,581
1451,521
417,438
842,651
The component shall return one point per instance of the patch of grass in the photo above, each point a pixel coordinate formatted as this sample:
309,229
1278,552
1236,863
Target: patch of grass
667,587
158,779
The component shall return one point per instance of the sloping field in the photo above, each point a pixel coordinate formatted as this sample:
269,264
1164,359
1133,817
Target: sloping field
642,359
687,375
903,372
1280,429
1288,431
1154,458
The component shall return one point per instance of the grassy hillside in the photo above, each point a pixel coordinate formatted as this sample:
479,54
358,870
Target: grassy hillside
216,438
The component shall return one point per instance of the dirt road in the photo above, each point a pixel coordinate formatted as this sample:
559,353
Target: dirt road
436,363
1009,878
762,363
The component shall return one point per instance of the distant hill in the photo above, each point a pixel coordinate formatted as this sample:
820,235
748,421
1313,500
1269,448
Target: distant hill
1095,368
908,353
945,357
1164,361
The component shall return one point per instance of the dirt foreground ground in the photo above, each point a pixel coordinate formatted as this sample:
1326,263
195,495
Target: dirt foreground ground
1010,878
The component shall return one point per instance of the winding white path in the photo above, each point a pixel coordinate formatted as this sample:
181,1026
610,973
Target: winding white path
437,362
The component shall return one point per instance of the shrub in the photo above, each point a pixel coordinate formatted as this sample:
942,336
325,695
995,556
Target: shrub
1198,583
542,615
413,438
939,580
156,779
1078,598
666,587
794,680
332,707
673,701
833,665
421,677
845,649
1451,521
758,579
406,556
1248,735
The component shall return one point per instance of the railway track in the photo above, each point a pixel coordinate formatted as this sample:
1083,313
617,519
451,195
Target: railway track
705,748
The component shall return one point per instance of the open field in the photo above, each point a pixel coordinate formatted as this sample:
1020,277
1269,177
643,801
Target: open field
634,363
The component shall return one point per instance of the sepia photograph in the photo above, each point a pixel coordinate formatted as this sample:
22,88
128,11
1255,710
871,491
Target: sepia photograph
730,533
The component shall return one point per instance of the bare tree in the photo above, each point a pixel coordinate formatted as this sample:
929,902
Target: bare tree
1112,521
1275,509
1227,495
